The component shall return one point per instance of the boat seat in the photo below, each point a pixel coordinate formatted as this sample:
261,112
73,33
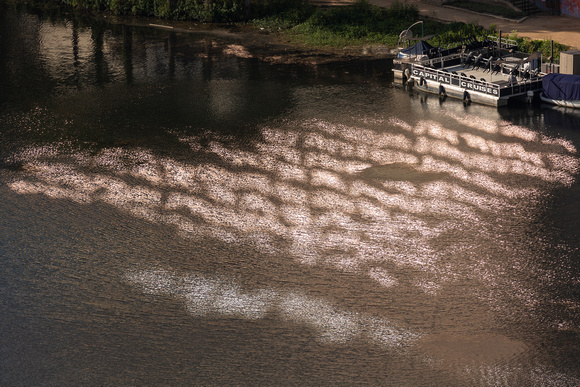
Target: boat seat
489,64
472,76
478,61
515,70
469,59
454,72
482,79
525,74
463,75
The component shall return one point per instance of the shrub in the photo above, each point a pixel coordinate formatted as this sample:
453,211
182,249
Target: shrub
542,46
456,33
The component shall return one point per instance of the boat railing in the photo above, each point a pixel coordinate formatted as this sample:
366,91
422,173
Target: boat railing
500,87
441,61
508,62
505,42
444,76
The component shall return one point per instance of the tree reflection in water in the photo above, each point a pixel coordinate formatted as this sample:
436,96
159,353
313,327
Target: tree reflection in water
416,243
421,198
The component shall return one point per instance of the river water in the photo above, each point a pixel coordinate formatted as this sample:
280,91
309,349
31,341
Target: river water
175,211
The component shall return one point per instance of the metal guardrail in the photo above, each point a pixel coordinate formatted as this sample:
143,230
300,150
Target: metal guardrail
446,78
443,61
502,88
505,42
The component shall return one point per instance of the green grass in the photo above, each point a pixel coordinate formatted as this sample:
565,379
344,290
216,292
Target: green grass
363,23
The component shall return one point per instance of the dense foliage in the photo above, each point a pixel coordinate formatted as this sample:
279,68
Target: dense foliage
543,46
357,23
454,33
362,22
200,10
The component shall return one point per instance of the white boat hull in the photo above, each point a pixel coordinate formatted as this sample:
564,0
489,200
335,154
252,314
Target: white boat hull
560,102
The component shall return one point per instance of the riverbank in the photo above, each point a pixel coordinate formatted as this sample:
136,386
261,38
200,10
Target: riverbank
279,45
271,47
282,47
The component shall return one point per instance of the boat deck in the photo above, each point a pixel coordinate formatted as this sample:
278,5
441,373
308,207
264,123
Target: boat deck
478,74
447,76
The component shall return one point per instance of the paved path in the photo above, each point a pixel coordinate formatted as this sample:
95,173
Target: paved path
561,29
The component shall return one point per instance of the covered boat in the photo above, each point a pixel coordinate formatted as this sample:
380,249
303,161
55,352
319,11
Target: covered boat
561,90
417,50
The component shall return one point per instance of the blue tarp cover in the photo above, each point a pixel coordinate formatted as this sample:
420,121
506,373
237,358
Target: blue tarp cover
420,48
561,86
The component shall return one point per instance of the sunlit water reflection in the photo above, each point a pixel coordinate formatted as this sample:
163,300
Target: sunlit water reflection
345,234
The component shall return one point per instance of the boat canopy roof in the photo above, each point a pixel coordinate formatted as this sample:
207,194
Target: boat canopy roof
419,48
561,87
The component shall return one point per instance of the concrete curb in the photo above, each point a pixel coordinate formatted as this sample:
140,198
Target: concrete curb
486,14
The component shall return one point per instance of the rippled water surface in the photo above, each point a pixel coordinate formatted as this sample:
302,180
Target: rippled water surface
174,210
